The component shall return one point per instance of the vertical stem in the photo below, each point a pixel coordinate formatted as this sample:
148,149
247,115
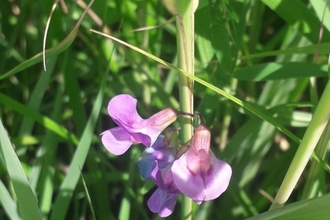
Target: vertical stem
184,10
185,44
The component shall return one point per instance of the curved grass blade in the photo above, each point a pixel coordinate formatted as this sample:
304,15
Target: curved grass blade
255,109
27,201
45,34
63,45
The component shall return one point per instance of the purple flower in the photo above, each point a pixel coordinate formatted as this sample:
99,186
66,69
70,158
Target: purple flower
163,178
198,174
162,203
157,155
155,163
132,129
163,200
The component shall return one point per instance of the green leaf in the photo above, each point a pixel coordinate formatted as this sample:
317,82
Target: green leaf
8,204
295,13
316,208
322,11
276,71
27,201
220,36
203,42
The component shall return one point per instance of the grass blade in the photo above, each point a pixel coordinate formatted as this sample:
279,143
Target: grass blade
8,203
27,202
256,110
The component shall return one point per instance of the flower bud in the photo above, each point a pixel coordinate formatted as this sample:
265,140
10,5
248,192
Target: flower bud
198,157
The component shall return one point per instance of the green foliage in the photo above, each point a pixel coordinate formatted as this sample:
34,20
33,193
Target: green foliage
260,70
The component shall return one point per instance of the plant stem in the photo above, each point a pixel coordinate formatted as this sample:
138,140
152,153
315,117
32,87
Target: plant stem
185,43
316,173
312,135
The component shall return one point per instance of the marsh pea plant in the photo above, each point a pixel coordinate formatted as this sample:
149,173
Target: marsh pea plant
191,169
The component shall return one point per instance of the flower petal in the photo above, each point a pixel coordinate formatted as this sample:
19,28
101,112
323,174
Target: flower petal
217,178
164,155
116,140
201,186
146,163
147,130
147,139
163,179
122,109
162,203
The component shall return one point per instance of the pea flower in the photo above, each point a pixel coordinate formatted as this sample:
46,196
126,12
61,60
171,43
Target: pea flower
157,155
164,199
193,171
162,202
155,163
198,174
132,129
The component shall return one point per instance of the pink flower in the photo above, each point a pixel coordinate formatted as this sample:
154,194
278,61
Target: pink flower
198,174
132,129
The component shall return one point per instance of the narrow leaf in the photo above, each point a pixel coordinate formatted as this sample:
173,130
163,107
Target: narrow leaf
8,204
27,201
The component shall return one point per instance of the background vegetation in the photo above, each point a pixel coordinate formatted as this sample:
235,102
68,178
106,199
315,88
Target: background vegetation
273,55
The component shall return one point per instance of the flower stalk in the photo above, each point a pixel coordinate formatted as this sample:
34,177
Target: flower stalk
184,12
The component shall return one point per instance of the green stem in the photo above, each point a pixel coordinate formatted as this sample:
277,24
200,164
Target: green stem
185,44
315,175
312,135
